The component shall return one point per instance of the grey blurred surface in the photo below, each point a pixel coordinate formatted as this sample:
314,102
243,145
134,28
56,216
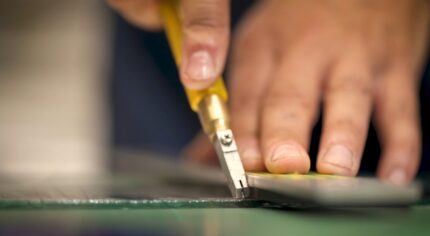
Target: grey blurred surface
53,69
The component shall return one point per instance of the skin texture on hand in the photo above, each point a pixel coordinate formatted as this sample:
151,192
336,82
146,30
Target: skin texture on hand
353,58
356,59
206,33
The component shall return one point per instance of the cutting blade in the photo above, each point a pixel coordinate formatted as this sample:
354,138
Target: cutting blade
231,163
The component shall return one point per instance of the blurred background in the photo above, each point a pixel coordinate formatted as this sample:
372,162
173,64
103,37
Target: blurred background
54,58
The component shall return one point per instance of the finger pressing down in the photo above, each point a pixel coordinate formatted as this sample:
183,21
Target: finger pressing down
249,73
398,126
347,108
289,111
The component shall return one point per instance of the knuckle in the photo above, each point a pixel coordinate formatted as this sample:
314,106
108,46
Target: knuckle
201,22
290,99
404,131
347,131
402,109
313,34
350,126
206,15
292,108
360,85
410,146
242,56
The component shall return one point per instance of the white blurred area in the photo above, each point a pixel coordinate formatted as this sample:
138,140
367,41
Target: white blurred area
54,59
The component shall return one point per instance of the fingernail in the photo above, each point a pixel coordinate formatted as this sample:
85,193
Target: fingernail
397,176
200,66
340,156
285,151
251,153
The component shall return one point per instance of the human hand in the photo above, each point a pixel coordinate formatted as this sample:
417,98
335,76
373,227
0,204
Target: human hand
353,57
206,32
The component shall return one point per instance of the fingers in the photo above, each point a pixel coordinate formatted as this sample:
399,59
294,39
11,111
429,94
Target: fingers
289,113
205,41
250,71
347,109
398,126
206,28
142,13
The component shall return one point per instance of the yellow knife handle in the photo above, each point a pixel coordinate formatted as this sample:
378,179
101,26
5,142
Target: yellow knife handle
172,24
210,105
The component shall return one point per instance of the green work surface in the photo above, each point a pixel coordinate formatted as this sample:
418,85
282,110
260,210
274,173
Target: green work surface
218,221
158,198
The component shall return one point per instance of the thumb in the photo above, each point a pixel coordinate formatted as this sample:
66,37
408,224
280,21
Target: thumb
206,29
